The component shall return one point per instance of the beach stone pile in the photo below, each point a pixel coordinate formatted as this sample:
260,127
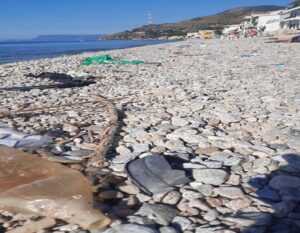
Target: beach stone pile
232,123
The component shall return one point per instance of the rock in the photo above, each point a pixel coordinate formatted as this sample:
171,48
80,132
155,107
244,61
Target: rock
181,223
190,194
68,227
206,150
177,121
229,192
111,194
210,176
140,148
205,189
176,145
227,118
130,228
184,206
290,195
268,193
214,202
211,215
289,162
123,150
212,164
283,208
234,179
284,182
128,188
143,198
214,122
209,229
167,230
141,221
262,162
239,204
250,219
122,159
161,214
70,128
199,204
171,198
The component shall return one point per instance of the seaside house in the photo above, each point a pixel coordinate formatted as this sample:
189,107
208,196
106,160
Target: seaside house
290,19
231,28
270,21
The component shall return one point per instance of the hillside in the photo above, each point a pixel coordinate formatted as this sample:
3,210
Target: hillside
215,22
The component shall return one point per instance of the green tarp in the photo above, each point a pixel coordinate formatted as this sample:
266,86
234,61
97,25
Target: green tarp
107,59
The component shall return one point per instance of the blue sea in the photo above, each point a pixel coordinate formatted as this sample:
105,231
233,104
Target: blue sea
12,52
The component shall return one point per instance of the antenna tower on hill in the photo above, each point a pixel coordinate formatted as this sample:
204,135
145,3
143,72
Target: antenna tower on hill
150,17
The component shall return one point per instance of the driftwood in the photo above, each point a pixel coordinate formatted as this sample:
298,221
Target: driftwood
98,157
107,137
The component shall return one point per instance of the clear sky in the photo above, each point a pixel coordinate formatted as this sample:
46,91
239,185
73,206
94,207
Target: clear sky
28,18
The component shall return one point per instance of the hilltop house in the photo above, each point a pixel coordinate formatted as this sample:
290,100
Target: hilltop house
290,19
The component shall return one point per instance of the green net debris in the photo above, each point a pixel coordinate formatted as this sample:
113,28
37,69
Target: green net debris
107,59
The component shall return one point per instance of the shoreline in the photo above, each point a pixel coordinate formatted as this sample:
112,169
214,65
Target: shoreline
226,113
80,51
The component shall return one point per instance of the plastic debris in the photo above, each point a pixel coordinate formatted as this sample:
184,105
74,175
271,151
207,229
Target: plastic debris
107,59
154,175
12,138
248,55
280,65
30,185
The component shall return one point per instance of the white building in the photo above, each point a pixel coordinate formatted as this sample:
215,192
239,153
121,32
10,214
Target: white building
290,19
193,35
231,28
270,22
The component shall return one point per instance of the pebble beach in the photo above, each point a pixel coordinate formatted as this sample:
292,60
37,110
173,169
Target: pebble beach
227,111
